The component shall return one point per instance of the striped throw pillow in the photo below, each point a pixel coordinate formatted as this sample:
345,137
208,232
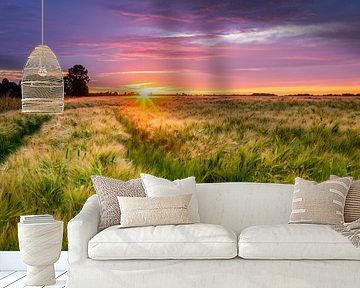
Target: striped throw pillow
352,203
319,203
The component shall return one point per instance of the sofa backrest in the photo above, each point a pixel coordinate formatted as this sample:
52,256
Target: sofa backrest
239,205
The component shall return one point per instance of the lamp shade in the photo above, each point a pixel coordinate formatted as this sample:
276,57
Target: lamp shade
42,83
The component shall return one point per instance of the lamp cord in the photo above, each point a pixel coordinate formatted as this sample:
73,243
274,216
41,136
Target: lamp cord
42,24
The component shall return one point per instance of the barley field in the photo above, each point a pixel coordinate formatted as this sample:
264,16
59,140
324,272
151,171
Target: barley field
46,161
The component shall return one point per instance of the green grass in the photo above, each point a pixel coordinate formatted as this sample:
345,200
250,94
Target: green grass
14,128
213,139
51,173
268,141
9,103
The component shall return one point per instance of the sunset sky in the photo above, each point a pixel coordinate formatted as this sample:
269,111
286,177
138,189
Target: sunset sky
197,46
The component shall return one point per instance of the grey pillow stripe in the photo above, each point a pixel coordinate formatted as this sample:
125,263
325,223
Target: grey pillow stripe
352,203
320,203
108,189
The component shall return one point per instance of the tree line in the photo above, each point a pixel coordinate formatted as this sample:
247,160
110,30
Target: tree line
10,89
75,84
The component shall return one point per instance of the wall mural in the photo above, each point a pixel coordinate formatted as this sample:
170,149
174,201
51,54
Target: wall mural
259,91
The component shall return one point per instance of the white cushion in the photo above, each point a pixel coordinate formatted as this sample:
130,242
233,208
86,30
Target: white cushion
160,187
295,241
192,241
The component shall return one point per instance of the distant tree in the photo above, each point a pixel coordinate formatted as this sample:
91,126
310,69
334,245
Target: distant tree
5,81
76,82
67,86
10,89
263,94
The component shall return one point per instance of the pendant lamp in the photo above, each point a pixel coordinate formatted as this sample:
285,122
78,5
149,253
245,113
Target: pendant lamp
42,82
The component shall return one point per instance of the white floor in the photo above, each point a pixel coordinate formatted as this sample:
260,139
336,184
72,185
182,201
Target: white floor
16,279
13,271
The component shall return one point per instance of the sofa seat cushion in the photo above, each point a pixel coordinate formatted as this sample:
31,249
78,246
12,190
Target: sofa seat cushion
295,241
192,241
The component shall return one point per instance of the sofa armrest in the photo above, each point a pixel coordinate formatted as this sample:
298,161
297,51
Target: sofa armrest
82,228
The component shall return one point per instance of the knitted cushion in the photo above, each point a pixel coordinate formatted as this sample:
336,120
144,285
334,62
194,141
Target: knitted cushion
107,190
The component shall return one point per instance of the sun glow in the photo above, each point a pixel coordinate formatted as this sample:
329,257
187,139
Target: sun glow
145,99
145,93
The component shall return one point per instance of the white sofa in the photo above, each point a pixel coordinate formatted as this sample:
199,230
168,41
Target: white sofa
243,220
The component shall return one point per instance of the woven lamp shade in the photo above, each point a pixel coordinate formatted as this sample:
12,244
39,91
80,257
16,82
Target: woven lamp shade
42,83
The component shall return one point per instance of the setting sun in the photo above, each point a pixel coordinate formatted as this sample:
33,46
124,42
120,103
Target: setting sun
145,93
